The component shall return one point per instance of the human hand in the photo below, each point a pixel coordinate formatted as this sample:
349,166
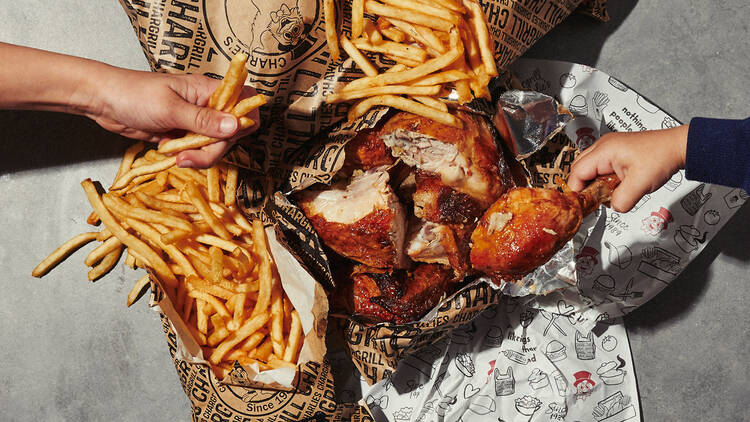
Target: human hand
643,161
156,107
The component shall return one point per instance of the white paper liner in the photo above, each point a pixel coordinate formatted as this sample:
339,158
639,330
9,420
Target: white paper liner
566,355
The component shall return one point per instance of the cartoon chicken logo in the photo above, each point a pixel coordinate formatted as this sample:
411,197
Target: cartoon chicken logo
656,222
583,384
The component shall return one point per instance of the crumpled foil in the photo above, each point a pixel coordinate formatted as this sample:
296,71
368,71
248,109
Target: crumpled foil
527,119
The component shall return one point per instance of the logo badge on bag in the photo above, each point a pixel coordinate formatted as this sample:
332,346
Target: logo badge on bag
276,36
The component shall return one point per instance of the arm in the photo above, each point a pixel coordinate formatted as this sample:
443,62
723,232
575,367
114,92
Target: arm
718,151
139,105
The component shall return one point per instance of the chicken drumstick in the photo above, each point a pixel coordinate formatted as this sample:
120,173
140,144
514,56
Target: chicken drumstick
527,226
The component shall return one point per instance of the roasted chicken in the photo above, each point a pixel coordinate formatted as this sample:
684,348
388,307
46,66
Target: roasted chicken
466,160
446,244
397,296
363,220
527,226
436,202
366,151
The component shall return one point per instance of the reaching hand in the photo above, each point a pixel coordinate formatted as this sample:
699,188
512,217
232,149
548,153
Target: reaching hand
644,161
154,107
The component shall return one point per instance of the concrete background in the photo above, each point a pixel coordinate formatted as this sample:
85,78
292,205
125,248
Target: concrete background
71,351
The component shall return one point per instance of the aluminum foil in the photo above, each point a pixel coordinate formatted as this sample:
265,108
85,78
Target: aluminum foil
527,119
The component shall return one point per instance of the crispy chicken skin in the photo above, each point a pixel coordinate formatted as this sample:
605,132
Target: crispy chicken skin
363,220
436,202
399,296
466,160
366,151
526,226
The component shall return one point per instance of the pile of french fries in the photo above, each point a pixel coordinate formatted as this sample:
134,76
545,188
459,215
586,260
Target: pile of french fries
437,45
184,226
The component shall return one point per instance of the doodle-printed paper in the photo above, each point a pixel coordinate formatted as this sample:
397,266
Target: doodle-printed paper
566,356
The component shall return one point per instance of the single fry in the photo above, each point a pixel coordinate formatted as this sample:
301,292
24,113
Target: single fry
383,90
403,104
358,57
441,78
143,170
295,338
248,104
358,16
62,252
329,11
138,289
108,262
393,48
431,102
426,9
264,272
230,188
277,320
101,251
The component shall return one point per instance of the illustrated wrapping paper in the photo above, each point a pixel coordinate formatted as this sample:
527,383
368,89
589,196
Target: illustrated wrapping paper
566,356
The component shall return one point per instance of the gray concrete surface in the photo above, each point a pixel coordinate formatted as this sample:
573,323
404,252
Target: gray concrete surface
71,351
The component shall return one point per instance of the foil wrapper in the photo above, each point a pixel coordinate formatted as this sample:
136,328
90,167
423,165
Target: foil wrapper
527,119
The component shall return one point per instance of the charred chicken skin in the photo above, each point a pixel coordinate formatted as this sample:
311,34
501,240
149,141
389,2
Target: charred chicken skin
436,202
366,151
363,220
466,160
527,226
398,296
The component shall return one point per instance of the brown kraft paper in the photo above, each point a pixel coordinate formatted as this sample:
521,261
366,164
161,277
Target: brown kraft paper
290,63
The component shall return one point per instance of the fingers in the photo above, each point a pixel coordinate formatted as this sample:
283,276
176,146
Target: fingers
205,157
628,193
594,162
205,121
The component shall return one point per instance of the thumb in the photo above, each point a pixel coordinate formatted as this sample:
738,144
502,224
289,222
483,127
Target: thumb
205,121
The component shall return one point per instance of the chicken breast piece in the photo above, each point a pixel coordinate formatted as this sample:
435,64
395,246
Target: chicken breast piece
466,159
363,220
444,244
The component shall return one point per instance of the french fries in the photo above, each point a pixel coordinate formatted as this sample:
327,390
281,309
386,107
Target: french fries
443,43
184,226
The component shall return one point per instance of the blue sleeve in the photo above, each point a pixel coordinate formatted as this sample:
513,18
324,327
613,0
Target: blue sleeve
718,151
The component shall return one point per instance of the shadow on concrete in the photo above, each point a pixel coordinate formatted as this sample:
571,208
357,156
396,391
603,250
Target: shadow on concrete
583,36
36,139
686,290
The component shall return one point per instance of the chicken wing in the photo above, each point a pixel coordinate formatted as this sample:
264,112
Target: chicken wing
363,220
527,226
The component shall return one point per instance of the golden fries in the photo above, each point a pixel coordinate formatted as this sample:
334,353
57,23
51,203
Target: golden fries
443,43
62,252
329,11
212,263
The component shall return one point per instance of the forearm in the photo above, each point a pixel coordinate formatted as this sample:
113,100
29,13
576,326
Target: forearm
41,80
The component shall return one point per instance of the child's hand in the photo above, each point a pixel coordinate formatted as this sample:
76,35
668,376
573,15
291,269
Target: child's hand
644,161
150,106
